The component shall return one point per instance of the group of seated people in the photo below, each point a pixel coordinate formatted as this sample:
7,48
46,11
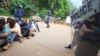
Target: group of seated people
10,30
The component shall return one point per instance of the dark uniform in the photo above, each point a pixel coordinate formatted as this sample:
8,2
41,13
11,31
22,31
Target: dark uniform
89,43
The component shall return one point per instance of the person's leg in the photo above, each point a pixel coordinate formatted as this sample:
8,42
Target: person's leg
2,41
26,33
85,48
38,28
10,40
48,25
13,36
32,32
20,38
75,39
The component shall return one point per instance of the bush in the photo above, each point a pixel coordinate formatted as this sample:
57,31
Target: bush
29,7
5,12
43,13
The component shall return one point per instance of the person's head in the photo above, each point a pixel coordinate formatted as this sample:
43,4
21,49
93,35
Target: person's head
49,10
12,23
8,19
24,21
2,23
16,19
34,21
30,21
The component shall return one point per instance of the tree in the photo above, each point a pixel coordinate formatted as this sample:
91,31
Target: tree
29,7
62,8
59,8
73,8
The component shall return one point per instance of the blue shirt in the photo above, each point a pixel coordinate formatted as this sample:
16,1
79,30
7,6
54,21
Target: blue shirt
5,30
26,26
20,12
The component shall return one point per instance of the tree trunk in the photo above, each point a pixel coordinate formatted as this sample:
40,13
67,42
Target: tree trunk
5,2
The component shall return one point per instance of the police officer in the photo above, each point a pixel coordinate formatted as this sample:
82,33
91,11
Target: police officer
19,13
89,41
48,19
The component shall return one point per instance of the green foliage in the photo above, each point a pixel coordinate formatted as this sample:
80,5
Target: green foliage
29,7
43,13
4,12
28,10
59,8
63,8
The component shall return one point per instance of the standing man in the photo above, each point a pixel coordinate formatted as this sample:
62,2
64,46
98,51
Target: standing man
19,13
76,35
48,19
89,41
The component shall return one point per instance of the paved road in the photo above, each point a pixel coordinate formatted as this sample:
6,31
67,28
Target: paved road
48,42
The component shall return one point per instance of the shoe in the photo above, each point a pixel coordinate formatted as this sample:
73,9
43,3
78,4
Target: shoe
32,35
69,47
39,31
28,38
20,41
6,47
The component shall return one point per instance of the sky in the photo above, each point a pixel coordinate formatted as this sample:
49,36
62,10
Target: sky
77,3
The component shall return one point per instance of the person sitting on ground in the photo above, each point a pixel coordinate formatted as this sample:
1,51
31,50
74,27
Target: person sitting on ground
15,30
4,32
32,29
15,27
36,25
25,28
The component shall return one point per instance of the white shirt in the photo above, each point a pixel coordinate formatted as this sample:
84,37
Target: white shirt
16,29
33,26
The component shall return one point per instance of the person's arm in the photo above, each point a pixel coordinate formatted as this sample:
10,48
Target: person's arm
13,30
4,35
85,29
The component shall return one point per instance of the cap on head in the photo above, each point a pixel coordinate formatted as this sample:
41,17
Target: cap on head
20,6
